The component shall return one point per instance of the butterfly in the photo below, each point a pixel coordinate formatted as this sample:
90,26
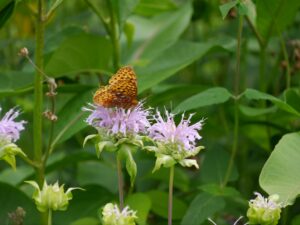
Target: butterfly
121,90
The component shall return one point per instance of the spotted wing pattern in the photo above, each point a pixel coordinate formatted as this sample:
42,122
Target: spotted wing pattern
121,90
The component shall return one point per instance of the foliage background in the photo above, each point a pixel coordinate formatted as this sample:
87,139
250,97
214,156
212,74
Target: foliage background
184,55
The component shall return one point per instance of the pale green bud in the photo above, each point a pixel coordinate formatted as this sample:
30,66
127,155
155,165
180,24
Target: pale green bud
112,215
8,151
51,197
264,211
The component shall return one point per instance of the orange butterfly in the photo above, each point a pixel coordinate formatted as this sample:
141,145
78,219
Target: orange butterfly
121,90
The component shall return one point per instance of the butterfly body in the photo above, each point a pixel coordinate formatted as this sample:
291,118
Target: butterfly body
121,90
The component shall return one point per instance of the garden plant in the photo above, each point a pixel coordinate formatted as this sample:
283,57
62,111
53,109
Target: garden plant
124,112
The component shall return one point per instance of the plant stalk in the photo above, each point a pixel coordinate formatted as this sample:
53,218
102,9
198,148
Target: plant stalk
120,183
114,36
287,61
236,104
170,203
49,217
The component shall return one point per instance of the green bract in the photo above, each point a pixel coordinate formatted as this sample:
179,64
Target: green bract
168,155
111,215
8,151
264,211
124,146
51,197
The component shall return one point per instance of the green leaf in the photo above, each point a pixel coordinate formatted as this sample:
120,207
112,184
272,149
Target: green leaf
86,220
160,205
273,16
11,198
72,114
175,58
54,6
280,174
142,204
215,165
154,7
83,52
6,12
251,111
225,8
247,8
88,138
203,206
253,94
125,8
208,97
166,161
98,173
218,190
129,32
155,35
125,152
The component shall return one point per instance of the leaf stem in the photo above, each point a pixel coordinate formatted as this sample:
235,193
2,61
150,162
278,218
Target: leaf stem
170,203
114,35
236,104
120,183
49,217
287,61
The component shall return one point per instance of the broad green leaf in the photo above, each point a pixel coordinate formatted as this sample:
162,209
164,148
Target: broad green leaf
84,204
175,58
155,35
4,3
153,7
84,52
70,117
142,204
292,97
203,206
15,177
280,174
247,8
208,97
11,198
253,94
273,16
98,173
215,165
125,8
6,12
296,220
218,190
15,82
251,111
160,205
86,220
225,8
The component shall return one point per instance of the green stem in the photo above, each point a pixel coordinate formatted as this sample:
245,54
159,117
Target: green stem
114,35
236,104
49,217
262,67
286,59
170,203
120,183
38,92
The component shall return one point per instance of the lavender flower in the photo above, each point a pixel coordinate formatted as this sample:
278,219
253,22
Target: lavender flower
10,129
10,133
184,135
174,143
118,120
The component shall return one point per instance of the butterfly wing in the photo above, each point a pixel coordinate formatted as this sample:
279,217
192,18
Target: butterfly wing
121,90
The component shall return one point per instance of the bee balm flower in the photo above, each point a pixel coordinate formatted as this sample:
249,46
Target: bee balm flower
9,134
112,215
174,142
264,211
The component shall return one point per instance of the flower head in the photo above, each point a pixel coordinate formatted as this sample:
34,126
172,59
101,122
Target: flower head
264,211
183,135
118,120
9,128
112,215
174,142
51,197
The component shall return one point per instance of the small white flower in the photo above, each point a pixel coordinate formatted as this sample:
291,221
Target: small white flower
112,215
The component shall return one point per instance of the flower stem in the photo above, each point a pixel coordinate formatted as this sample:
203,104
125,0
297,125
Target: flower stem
170,204
49,217
38,92
236,104
120,183
286,59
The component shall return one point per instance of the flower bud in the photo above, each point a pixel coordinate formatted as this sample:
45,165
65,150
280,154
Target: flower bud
51,197
23,52
264,211
111,215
